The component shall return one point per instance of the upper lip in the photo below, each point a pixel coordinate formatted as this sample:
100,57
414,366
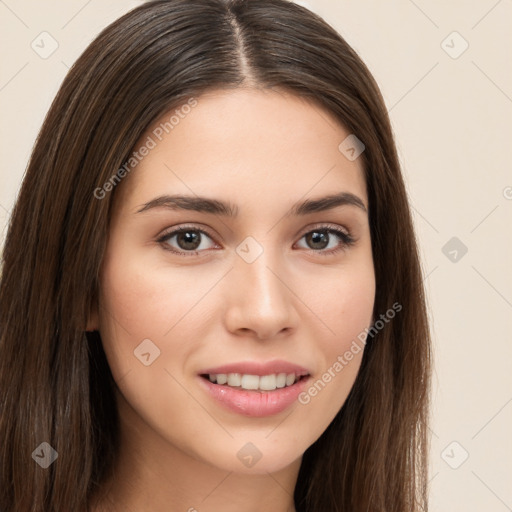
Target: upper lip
257,368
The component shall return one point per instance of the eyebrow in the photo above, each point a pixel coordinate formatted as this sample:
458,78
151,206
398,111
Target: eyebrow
217,207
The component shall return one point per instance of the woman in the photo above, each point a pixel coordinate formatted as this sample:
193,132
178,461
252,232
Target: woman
211,297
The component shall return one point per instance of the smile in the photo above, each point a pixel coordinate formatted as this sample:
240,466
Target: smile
255,382
255,389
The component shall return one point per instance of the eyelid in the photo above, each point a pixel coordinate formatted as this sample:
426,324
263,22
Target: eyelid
324,226
344,234
171,232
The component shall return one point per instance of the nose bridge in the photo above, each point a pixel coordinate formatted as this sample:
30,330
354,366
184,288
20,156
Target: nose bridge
260,301
254,268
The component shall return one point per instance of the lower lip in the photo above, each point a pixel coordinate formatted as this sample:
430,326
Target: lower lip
254,403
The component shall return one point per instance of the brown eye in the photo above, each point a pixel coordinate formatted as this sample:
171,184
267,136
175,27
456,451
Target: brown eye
185,240
325,238
188,240
317,239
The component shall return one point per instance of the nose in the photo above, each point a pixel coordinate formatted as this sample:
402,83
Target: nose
260,301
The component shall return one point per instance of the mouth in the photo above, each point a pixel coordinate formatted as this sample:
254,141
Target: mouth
255,389
250,382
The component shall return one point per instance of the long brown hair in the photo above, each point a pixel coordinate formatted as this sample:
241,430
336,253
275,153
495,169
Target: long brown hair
55,383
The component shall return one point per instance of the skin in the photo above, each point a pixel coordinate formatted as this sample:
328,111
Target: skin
262,150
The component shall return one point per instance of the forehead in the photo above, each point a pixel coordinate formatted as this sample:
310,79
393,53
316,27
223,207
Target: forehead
251,146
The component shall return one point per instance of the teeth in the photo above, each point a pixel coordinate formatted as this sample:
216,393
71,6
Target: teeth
250,382
281,380
268,382
290,379
222,378
254,382
234,379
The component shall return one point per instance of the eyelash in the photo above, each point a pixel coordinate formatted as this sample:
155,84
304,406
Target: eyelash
346,239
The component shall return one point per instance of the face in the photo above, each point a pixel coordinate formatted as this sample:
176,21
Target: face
249,277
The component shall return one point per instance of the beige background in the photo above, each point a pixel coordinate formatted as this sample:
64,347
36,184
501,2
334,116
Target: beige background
451,111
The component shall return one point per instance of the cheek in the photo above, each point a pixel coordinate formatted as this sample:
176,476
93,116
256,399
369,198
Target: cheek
131,311
142,319
355,306
344,309
142,297
342,303
142,300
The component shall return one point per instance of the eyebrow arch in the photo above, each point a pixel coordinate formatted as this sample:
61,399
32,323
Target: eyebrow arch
216,207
